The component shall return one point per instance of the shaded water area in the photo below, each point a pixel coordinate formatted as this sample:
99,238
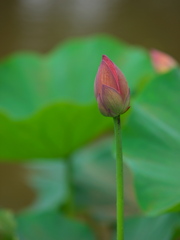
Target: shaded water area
40,25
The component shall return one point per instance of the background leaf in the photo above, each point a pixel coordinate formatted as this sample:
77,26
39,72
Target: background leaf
51,225
48,178
7,225
152,144
95,181
47,102
151,140
53,132
156,228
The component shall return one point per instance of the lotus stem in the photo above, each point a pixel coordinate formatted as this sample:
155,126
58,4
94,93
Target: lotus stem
119,179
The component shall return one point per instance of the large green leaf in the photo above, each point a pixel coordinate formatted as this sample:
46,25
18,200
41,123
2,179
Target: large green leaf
48,179
156,228
51,225
47,103
7,225
94,190
54,132
95,181
152,144
176,234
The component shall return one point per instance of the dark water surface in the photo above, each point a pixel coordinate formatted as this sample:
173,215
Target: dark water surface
41,24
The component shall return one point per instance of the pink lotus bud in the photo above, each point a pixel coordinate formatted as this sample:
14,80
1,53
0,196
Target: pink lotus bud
162,62
111,89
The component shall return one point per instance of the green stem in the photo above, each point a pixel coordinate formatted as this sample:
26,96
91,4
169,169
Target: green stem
119,179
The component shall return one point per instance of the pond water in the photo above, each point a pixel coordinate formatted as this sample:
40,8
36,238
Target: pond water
41,24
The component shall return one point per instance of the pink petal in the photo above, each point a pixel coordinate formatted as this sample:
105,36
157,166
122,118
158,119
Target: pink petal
162,62
112,101
123,85
112,68
104,76
126,103
102,108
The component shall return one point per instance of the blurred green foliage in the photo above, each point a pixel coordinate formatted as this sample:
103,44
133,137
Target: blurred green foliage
51,225
7,226
48,101
152,144
161,227
48,110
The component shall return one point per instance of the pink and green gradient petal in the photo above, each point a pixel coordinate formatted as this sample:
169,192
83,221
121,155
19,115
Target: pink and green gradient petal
111,89
110,98
162,62
104,76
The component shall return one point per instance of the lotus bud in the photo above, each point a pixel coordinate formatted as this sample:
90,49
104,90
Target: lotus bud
111,89
162,62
